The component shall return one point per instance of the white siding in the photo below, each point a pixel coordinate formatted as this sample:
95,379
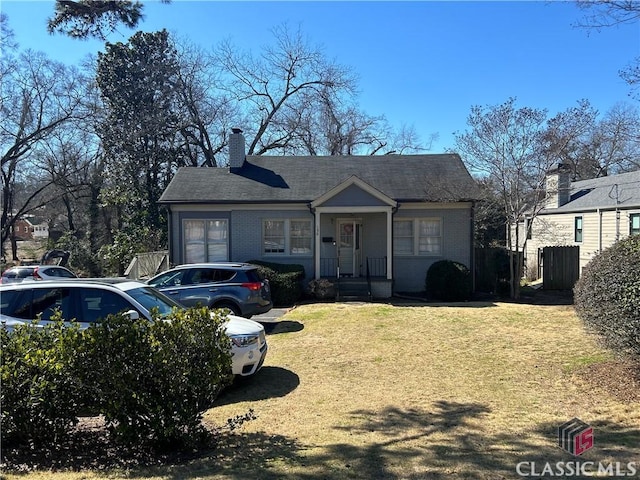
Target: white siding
600,229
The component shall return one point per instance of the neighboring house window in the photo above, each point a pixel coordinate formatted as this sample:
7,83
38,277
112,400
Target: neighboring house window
292,237
634,224
206,241
422,236
578,229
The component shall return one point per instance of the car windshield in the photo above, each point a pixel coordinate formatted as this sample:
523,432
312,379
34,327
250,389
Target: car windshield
150,298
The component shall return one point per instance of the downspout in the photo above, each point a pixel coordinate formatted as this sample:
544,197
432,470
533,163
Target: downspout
316,245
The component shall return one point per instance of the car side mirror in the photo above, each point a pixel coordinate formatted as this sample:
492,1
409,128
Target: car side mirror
132,314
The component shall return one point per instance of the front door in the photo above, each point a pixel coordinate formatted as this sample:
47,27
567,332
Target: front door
349,246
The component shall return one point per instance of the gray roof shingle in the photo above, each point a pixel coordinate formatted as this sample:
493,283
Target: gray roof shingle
264,179
622,190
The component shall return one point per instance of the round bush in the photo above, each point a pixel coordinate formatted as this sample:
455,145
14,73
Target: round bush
449,281
607,295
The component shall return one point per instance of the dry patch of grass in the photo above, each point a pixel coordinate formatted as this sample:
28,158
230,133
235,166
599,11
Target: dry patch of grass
368,391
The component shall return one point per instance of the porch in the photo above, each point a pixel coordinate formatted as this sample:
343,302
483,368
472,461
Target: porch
372,285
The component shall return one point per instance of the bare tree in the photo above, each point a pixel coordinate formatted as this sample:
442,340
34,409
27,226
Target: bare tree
610,13
591,146
40,97
208,112
504,144
277,86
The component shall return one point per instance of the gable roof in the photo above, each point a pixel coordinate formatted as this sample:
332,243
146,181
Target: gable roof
264,179
621,190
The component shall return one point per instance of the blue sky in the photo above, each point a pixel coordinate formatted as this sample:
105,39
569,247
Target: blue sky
419,63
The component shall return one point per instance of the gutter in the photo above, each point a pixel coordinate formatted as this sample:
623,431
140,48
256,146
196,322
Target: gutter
599,230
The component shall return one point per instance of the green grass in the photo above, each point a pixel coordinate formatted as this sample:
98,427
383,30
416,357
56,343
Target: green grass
371,391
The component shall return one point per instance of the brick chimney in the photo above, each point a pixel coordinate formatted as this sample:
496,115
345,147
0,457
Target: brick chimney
557,186
236,149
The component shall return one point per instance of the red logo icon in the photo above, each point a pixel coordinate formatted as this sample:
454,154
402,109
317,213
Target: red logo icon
575,436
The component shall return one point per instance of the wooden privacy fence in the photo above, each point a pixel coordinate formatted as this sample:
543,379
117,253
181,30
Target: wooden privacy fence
146,265
492,269
560,267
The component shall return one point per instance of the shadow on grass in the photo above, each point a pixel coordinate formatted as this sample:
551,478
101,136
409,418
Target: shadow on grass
286,326
269,382
445,441
423,302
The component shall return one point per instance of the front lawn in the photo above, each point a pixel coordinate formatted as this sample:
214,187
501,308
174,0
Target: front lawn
376,391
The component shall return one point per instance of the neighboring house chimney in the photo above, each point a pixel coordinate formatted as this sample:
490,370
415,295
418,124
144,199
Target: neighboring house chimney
557,186
236,149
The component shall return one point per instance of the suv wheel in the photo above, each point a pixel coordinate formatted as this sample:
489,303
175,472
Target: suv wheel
233,308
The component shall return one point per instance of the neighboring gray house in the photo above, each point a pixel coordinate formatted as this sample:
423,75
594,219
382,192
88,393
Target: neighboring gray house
391,216
591,214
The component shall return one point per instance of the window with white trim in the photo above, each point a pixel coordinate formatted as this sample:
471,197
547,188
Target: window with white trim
206,240
634,224
403,237
577,229
287,237
418,236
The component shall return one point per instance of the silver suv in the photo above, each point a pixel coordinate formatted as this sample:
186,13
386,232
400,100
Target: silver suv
89,301
36,272
238,287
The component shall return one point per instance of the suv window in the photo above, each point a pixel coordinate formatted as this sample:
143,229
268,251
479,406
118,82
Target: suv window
59,272
254,276
18,273
201,275
7,300
225,275
169,279
33,302
97,304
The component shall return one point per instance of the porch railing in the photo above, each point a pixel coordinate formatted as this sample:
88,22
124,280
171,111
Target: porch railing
328,267
377,266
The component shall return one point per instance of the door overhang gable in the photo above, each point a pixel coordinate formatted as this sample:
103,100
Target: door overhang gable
355,181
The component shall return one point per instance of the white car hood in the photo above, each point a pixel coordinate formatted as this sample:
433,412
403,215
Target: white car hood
241,326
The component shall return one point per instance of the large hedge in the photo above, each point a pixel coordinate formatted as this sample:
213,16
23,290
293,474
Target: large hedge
152,380
449,281
607,295
285,281
39,395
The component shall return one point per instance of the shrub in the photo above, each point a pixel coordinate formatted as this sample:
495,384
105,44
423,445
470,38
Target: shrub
152,381
322,289
285,281
39,396
449,281
607,295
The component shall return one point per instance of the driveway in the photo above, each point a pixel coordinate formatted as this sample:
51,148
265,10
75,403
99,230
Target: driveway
271,316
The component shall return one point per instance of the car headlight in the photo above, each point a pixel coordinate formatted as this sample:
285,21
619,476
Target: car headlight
244,340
